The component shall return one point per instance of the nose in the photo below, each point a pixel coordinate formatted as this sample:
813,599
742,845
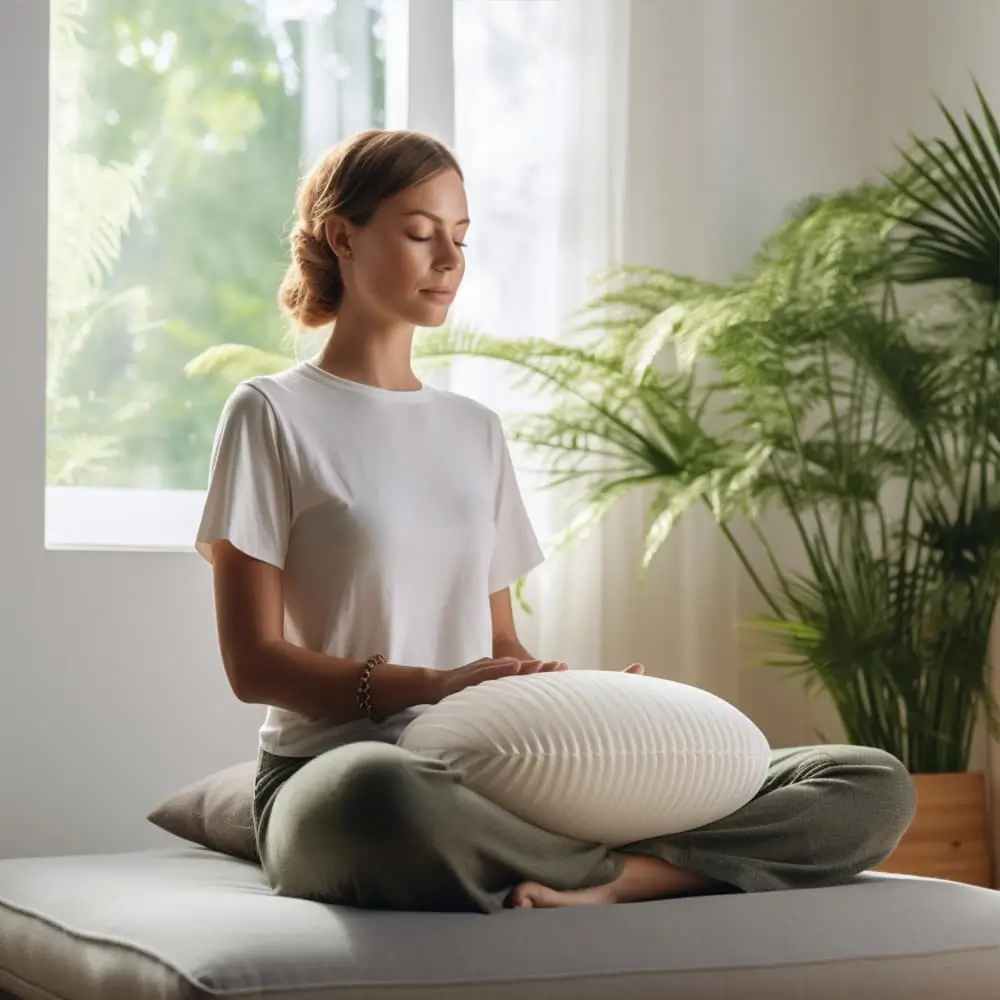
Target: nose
448,259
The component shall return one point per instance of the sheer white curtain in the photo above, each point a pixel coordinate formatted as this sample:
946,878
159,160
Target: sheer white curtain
540,94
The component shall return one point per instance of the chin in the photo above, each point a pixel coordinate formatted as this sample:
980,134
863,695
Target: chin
429,316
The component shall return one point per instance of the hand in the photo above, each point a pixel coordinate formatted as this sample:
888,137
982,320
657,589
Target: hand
446,682
541,666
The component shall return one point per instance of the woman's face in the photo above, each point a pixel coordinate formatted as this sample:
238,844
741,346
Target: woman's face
407,262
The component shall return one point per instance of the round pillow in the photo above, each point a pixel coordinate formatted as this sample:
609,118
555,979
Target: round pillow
599,756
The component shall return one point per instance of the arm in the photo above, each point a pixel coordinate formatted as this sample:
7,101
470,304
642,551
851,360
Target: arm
505,640
515,551
263,668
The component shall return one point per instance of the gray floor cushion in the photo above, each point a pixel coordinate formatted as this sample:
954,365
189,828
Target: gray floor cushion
188,922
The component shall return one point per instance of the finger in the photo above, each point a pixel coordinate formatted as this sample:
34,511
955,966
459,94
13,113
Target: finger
635,668
495,661
500,668
530,666
550,665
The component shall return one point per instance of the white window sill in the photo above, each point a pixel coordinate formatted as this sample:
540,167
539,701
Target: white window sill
78,517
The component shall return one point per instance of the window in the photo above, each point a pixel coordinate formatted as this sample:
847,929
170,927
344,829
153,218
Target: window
178,132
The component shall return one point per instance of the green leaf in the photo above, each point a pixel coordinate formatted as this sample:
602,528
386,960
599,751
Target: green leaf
72,457
957,222
236,362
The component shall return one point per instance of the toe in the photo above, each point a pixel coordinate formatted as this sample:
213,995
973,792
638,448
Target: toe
520,896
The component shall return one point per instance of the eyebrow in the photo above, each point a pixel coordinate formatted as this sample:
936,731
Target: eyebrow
435,218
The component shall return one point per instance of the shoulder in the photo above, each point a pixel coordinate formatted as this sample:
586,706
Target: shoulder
246,399
275,388
265,395
248,394
468,409
258,406
481,425
248,405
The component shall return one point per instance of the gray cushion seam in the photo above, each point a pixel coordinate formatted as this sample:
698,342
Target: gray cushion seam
20,981
610,976
101,939
554,977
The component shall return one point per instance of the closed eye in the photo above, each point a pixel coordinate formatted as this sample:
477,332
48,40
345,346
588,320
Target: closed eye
427,239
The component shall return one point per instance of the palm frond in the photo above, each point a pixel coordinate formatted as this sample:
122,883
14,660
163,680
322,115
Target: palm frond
954,235
92,205
73,457
73,327
236,362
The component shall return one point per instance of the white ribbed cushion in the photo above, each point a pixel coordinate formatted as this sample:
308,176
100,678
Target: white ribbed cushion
600,756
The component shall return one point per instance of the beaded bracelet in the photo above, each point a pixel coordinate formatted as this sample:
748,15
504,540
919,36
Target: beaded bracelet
365,687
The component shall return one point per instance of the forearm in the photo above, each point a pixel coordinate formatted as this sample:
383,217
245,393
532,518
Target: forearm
325,687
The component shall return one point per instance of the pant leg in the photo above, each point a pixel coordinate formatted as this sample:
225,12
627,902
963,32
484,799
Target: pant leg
824,814
376,826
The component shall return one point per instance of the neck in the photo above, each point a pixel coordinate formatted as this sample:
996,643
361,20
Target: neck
371,351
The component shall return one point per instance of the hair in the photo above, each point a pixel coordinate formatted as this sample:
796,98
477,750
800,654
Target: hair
351,180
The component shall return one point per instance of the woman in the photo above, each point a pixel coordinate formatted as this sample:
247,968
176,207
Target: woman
364,530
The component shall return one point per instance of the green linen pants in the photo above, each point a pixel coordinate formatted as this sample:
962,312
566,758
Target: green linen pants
375,826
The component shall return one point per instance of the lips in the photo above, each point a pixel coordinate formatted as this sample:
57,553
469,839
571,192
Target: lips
439,293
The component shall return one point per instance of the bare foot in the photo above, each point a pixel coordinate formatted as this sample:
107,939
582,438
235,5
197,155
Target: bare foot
641,878
532,895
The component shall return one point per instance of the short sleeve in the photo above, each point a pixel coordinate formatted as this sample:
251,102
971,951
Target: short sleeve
247,502
515,550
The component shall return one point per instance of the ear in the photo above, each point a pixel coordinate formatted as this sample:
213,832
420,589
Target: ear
338,236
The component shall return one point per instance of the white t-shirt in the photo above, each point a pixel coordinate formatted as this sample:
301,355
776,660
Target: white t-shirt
393,515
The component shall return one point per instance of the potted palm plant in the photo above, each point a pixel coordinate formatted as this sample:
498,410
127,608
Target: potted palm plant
851,380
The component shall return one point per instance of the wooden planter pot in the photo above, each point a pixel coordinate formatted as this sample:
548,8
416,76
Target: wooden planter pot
949,837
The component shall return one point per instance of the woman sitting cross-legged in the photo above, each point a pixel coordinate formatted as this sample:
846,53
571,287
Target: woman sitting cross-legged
364,530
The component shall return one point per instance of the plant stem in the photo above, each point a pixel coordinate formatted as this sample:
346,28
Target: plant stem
772,559
751,572
902,566
799,523
800,451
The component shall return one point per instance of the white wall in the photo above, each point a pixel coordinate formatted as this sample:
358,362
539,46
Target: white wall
111,693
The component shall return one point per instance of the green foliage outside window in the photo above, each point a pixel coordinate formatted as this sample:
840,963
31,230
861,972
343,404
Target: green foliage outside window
178,140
